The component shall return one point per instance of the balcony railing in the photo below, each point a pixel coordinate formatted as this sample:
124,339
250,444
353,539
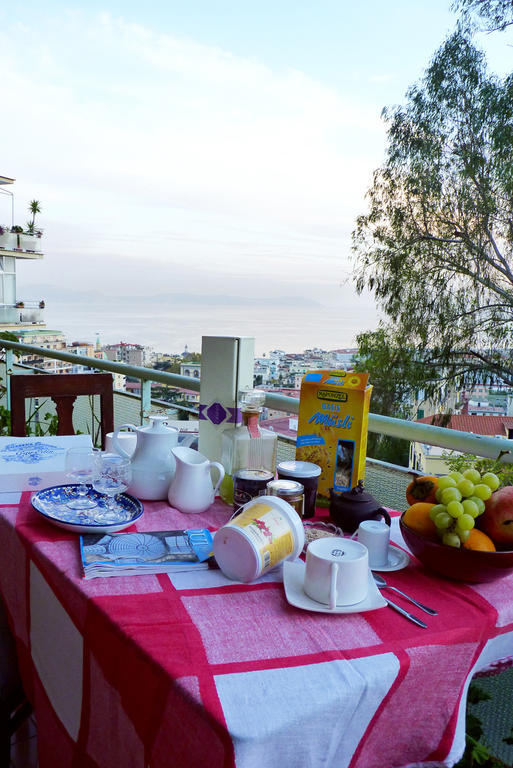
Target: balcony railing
136,409
30,312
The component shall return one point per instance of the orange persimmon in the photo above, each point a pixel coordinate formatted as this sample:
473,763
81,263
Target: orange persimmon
417,518
479,540
422,489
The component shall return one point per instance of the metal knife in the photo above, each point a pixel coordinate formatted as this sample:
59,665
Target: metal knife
408,615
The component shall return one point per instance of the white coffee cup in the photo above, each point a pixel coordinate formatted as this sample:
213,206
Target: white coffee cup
128,441
337,571
375,535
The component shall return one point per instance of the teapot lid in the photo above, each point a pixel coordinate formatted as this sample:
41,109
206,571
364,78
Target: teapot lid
158,426
357,496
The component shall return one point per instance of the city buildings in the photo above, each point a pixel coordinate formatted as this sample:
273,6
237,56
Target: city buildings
132,354
47,339
190,369
88,349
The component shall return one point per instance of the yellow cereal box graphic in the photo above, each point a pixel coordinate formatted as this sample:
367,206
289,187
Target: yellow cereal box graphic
332,426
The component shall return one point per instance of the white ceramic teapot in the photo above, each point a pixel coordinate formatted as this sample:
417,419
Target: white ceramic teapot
191,489
153,463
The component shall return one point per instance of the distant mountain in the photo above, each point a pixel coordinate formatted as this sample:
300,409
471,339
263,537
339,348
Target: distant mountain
54,294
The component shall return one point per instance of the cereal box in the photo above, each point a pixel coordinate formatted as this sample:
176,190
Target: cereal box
332,426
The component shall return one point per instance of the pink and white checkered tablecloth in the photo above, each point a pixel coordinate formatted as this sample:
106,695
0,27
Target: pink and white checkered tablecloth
193,670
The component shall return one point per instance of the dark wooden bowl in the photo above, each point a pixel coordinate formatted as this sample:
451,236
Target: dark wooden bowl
460,564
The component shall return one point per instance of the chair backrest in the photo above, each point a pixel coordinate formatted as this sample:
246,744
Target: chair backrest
63,389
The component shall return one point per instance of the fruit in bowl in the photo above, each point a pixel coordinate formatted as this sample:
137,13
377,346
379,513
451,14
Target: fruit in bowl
455,536
422,489
459,563
497,518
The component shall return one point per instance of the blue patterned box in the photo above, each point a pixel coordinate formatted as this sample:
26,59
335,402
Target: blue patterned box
32,463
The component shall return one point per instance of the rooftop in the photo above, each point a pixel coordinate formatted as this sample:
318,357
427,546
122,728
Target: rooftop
478,425
284,425
36,332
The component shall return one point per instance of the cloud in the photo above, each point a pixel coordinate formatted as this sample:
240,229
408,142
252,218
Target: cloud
158,157
119,104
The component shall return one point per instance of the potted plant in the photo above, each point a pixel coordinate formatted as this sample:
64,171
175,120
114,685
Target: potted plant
8,239
20,305
5,238
17,232
39,234
29,239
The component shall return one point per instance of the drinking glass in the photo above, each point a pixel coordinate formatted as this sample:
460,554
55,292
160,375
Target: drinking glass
112,475
79,468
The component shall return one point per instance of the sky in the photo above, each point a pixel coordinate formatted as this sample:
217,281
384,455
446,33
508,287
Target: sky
200,165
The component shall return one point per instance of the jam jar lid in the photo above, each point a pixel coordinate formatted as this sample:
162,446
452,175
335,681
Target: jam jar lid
299,468
253,474
284,488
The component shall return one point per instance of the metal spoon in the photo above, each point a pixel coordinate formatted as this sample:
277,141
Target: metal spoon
407,614
380,581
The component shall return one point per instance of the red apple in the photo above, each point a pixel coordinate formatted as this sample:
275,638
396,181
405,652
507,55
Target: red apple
497,519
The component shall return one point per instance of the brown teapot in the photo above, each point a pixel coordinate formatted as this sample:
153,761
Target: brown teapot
349,509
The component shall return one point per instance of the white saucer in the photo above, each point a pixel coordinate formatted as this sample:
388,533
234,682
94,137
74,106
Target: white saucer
293,578
397,559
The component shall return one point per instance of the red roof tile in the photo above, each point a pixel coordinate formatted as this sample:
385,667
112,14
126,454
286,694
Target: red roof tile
479,425
281,425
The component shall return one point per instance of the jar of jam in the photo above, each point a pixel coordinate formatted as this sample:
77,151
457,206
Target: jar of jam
248,483
288,490
307,474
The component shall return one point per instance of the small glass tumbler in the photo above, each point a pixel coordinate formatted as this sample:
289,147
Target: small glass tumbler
112,476
79,468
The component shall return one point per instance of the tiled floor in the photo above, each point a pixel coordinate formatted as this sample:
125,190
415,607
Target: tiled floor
24,745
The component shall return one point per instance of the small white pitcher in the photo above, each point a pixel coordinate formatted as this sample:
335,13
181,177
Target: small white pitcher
191,489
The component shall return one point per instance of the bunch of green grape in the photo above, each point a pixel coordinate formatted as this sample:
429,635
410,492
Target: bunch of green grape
461,498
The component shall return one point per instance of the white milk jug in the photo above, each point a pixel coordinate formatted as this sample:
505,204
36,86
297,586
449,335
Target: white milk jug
191,489
153,463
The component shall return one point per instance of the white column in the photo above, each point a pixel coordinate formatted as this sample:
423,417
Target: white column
226,368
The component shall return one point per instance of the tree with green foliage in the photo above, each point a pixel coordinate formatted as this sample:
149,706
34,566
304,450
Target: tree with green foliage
391,375
192,357
493,15
34,208
436,245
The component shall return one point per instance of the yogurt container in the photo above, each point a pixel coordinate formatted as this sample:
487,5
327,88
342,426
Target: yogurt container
266,531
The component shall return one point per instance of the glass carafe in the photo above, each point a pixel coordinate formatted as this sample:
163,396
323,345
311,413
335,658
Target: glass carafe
248,446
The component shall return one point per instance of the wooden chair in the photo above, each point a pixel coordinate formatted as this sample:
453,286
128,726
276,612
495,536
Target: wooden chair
63,389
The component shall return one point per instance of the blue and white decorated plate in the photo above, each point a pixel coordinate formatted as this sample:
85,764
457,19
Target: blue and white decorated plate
51,503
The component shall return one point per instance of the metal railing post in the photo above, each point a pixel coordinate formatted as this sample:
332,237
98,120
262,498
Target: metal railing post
9,364
145,400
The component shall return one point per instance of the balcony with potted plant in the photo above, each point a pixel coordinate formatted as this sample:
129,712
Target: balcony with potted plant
20,242
30,237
